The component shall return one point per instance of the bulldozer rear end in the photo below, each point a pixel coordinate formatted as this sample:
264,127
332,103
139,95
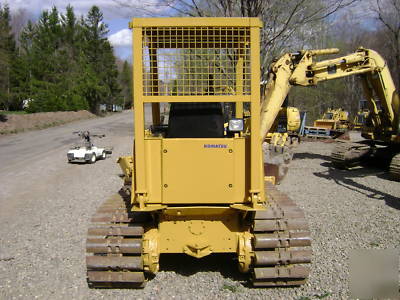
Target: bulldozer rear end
195,186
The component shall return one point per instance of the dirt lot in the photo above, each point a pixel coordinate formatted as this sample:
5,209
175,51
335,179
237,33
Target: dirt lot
46,205
14,123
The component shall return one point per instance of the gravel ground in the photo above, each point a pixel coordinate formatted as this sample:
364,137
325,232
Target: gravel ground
46,205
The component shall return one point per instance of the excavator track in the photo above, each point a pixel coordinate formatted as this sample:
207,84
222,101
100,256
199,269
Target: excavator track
281,243
394,169
346,155
114,246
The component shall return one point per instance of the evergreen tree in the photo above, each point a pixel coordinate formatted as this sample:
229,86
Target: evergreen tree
24,61
7,55
67,63
73,60
125,79
101,69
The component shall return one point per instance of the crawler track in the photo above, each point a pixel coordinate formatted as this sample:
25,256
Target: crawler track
338,155
394,169
114,246
347,155
281,243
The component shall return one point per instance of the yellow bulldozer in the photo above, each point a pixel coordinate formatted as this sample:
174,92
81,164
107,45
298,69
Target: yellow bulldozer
190,187
335,119
332,124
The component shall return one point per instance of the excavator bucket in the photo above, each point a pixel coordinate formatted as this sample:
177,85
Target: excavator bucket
276,161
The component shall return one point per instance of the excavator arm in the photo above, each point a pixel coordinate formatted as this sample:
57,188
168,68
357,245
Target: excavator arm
301,69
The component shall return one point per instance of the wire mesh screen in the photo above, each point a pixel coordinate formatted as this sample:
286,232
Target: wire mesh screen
182,61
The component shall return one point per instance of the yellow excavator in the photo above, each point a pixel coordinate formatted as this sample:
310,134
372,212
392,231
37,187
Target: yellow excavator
285,130
280,141
360,119
381,131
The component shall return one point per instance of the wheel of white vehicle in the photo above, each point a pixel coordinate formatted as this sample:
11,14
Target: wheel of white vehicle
103,155
92,159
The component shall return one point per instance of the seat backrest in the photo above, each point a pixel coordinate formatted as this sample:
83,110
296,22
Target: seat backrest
196,120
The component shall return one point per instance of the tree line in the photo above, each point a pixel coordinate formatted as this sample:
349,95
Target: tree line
62,62
291,25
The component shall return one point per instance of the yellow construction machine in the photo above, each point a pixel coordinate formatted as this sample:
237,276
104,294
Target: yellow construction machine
381,130
333,123
190,188
335,119
280,141
285,129
360,119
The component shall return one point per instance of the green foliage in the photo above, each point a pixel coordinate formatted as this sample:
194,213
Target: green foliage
66,63
7,54
230,287
15,112
125,79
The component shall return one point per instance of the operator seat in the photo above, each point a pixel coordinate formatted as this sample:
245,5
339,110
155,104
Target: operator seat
196,120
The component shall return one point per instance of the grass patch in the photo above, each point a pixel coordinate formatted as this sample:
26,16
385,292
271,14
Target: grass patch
17,112
51,124
11,131
230,287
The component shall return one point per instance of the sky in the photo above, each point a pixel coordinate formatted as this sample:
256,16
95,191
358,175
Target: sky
116,15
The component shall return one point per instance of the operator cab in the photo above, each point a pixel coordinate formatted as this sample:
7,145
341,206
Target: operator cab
198,120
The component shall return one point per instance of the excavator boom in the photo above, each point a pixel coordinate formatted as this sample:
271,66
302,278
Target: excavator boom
383,126
301,69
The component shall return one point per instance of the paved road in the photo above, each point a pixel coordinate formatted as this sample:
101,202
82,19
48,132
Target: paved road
30,160
17,151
